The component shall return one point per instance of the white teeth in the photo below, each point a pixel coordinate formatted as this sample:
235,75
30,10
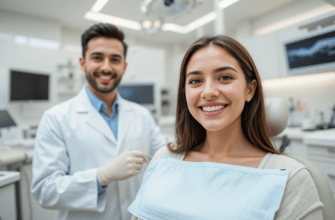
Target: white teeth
212,108
105,77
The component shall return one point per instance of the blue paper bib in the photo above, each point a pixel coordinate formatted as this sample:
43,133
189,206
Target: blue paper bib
176,189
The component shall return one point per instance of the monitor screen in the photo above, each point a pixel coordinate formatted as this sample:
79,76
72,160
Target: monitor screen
141,94
28,86
6,120
313,53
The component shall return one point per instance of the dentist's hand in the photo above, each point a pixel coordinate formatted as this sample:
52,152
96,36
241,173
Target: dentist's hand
126,165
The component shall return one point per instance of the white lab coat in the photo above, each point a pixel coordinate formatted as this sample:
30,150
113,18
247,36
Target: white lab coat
72,141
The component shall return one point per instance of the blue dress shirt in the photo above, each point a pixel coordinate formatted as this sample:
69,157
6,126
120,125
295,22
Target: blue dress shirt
111,120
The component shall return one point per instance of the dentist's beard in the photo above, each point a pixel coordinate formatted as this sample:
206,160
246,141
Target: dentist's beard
91,80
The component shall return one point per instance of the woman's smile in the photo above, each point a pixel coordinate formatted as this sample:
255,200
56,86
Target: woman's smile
213,109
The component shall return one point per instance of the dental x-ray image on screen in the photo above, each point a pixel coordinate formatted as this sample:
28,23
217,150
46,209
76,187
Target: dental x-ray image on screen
314,52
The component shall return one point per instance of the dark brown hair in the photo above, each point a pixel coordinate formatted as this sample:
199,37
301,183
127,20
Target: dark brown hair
190,133
102,30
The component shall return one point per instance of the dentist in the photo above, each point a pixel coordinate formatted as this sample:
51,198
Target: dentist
90,150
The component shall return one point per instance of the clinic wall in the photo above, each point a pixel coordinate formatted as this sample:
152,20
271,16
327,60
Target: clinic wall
41,60
268,53
175,54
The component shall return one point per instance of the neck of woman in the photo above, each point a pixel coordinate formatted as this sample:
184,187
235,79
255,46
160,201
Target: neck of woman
228,142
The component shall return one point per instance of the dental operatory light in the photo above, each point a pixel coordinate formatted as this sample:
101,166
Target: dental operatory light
168,8
146,24
159,9
191,26
152,26
157,24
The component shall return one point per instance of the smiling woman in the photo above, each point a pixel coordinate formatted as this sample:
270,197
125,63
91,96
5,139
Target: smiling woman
224,165
220,67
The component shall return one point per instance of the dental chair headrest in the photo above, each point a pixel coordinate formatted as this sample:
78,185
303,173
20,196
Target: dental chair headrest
277,112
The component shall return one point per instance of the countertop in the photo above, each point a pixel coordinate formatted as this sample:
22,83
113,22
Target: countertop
19,151
317,137
8,177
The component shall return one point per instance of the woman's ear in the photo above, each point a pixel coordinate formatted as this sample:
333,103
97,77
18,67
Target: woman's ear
251,88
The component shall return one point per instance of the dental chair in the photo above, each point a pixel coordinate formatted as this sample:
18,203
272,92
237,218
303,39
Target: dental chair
277,111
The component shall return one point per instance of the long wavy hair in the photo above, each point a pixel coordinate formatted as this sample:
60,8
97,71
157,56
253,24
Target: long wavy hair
190,133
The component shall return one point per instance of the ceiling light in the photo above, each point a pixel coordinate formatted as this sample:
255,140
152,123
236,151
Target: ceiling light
295,19
5,36
226,3
99,5
21,40
191,26
48,44
121,22
157,23
173,28
200,22
146,24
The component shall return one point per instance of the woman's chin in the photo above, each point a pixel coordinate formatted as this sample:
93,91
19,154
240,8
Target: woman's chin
213,127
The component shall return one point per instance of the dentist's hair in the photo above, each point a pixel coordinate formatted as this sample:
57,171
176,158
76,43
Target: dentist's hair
102,30
190,133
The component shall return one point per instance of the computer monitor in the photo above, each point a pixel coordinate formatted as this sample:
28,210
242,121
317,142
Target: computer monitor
312,53
25,86
144,93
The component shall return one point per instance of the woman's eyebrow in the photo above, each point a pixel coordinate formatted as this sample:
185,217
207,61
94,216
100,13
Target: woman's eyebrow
220,69
193,73
224,68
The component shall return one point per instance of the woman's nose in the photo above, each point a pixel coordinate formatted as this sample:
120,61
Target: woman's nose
209,91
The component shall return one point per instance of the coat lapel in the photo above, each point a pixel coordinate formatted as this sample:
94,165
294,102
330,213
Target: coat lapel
126,119
93,118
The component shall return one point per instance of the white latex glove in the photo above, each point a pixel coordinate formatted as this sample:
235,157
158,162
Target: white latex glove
126,165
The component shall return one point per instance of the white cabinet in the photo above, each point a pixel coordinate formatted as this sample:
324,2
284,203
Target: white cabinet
7,202
30,208
7,195
324,158
318,147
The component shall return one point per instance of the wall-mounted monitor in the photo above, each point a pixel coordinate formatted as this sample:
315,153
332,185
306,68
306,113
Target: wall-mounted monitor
312,53
145,93
26,86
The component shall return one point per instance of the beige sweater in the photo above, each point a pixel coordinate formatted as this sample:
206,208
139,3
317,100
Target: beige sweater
300,201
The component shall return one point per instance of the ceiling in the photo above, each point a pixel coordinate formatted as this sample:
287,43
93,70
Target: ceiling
70,14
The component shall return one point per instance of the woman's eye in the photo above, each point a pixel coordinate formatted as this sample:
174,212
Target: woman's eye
194,81
226,77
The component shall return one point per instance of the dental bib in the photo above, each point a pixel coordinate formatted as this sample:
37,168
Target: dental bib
180,190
